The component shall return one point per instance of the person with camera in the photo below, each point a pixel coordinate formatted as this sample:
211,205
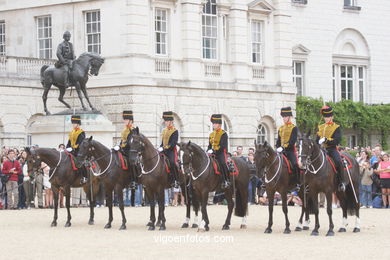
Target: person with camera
366,181
12,169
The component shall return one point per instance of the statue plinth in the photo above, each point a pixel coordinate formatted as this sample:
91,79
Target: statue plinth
78,112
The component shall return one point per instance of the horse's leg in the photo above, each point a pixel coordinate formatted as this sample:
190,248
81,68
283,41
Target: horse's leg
285,211
67,203
55,192
270,195
195,203
188,207
344,224
84,89
152,201
119,191
92,200
316,211
229,199
46,87
161,209
329,211
77,86
307,220
61,97
299,226
109,205
205,221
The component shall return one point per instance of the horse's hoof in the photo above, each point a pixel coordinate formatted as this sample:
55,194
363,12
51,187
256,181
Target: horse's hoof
330,234
151,228
287,231
123,227
91,222
314,233
53,224
298,229
68,224
305,228
149,224
243,226
268,231
48,113
206,228
185,225
225,227
342,230
194,225
107,226
356,230
162,227
158,224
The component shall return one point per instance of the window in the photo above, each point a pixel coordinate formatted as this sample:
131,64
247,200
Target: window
361,83
346,76
44,37
257,56
298,76
352,5
261,134
351,141
300,1
92,22
209,30
161,31
2,38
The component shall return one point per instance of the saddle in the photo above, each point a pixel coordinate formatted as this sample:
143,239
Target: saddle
123,160
343,157
232,169
288,163
166,163
72,160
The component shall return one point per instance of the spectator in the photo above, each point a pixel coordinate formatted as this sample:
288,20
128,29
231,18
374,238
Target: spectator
366,181
251,150
176,193
12,168
375,157
253,179
22,195
384,173
47,185
234,154
28,187
38,188
61,147
239,152
293,199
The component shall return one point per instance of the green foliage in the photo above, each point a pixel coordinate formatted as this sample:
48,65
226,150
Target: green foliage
352,115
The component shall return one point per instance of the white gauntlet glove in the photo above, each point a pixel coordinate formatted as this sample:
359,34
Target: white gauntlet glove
116,148
210,151
279,149
69,149
160,149
322,140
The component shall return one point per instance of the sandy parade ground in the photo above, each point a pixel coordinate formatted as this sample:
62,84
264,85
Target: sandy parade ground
26,234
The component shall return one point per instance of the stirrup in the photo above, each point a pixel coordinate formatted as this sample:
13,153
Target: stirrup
175,185
342,187
83,180
225,184
297,188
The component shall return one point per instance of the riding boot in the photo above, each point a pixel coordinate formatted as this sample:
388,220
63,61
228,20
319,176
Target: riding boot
84,175
339,179
225,180
297,180
175,180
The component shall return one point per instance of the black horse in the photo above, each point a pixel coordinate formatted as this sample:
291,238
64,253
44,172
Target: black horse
320,177
204,180
111,173
277,177
63,176
78,77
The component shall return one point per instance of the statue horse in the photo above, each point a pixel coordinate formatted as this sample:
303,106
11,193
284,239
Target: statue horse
204,180
319,177
78,77
113,175
62,175
277,177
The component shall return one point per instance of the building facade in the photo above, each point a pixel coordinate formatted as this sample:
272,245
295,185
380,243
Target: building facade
244,59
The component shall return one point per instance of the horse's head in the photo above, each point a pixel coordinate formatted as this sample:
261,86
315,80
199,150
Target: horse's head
137,146
85,149
33,161
95,62
306,146
262,155
186,154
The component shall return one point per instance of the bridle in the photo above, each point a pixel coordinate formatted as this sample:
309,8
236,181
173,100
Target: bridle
191,169
309,162
266,168
139,158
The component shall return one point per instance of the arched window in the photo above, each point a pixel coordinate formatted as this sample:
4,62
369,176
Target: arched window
262,134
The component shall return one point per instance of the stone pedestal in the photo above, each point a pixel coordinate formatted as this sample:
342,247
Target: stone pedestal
50,131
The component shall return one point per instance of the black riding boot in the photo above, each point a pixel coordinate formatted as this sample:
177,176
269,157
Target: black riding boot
297,180
174,178
84,175
339,179
225,180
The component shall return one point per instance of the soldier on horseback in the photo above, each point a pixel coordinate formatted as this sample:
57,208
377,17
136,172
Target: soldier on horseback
287,137
65,55
329,135
76,136
170,136
218,145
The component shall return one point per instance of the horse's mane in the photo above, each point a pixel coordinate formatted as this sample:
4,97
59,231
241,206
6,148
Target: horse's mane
92,55
196,147
98,143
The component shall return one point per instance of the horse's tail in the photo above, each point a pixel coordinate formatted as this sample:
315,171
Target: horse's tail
43,68
241,205
350,200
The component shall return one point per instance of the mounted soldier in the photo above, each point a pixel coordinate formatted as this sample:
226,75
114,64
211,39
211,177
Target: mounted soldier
218,146
329,135
170,136
76,136
287,137
66,56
